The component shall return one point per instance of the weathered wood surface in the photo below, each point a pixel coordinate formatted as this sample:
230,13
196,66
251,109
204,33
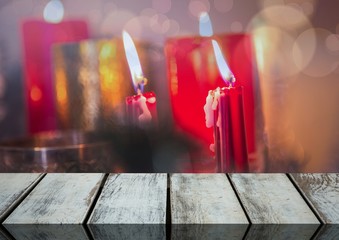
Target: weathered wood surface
58,198
204,199
13,187
132,199
138,200
322,192
328,231
272,199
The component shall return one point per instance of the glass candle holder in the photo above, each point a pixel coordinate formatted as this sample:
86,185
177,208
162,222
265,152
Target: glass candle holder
69,151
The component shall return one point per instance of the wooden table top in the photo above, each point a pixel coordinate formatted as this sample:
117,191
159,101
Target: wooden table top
169,206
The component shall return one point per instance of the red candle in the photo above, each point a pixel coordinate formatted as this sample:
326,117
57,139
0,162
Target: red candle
38,38
192,72
224,111
141,108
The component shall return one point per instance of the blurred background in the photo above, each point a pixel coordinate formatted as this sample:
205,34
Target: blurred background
296,44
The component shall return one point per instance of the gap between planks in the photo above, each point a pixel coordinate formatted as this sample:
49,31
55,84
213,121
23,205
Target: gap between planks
310,205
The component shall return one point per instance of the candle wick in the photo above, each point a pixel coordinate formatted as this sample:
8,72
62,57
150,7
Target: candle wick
231,81
141,81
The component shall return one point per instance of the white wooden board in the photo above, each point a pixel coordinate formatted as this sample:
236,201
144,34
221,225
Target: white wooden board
13,187
272,199
58,199
132,199
322,192
204,199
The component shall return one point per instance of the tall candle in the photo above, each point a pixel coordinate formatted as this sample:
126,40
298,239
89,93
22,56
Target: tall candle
224,111
38,39
140,108
192,72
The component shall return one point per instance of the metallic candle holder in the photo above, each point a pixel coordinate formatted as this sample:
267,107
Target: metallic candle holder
68,151
91,81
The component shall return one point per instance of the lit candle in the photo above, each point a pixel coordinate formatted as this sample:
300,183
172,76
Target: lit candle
141,108
38,39
192,72
224,111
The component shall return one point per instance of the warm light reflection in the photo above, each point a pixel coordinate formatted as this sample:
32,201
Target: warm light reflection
54,11
111,72
61,87
36,94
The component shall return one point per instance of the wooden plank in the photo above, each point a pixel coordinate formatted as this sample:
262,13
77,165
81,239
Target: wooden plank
272,199
132,199
322,192
204,199
58,198
13,187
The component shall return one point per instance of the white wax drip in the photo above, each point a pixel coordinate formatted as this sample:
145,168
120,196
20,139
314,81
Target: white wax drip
209,116
211,105
145,115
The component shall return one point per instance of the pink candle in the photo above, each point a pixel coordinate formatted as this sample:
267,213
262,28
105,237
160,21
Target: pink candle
38,39
141,108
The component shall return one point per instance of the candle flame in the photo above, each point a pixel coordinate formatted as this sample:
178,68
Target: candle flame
54,11
205,25
134,63
224,70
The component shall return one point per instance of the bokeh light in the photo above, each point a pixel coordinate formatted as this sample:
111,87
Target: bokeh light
223,6
54,11
322,62
115,21
196,7
162,6
236,26
332,42
285,17
36,94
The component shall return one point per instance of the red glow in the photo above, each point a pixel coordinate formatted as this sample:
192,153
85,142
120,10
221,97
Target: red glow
38,39
191,76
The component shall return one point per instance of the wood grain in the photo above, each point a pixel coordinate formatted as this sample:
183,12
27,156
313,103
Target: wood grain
204,199
13,187
322,192
132,199
58,198
272,199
